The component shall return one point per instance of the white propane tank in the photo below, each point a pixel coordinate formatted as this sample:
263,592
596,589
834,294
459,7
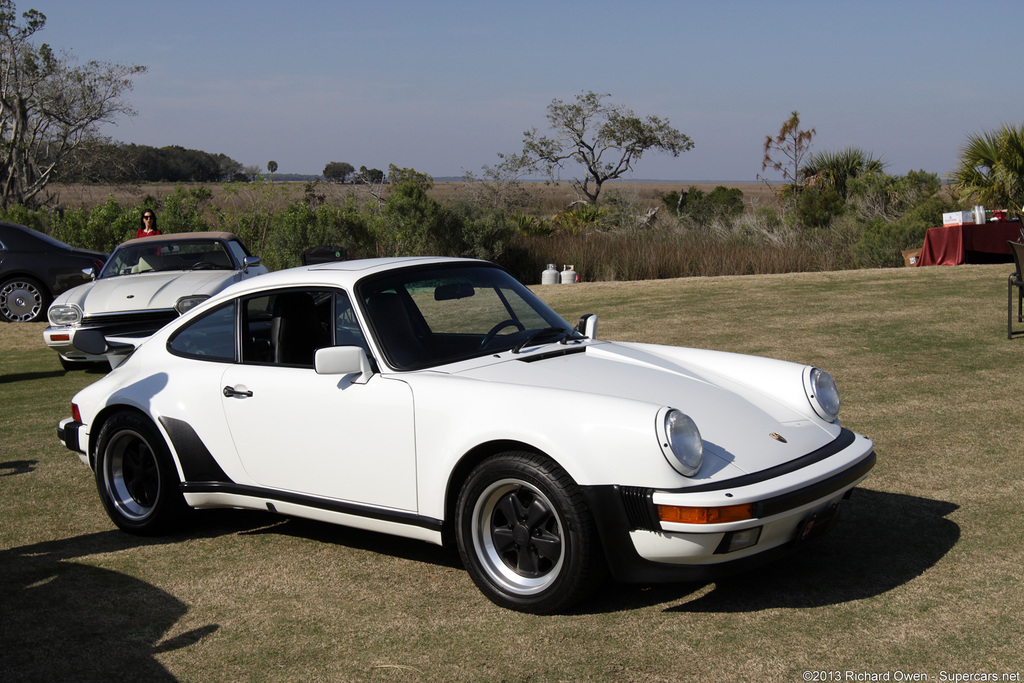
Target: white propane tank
550,275
568,274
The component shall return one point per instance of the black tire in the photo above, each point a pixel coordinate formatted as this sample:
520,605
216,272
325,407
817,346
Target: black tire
526,536
136,478
23,300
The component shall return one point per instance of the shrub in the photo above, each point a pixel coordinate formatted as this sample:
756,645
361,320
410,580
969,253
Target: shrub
722,205
182,210
816,207
102,228
301,226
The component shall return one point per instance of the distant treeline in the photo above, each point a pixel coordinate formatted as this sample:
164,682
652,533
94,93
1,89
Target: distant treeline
118,162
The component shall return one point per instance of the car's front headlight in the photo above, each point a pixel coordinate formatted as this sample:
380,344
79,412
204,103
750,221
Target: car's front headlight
680,441
187,302
822,393
64,315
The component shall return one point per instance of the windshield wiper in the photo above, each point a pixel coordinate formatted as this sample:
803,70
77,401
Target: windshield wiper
545,335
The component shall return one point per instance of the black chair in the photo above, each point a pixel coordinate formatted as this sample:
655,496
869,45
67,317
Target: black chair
1016,279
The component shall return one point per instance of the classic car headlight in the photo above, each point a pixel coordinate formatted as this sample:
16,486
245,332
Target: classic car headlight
64,315
186,302
680,441
822,393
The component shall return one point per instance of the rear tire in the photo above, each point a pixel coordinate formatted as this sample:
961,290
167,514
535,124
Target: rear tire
136,478
526,536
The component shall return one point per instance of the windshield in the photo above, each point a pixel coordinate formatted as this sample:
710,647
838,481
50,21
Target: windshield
427,317
153,256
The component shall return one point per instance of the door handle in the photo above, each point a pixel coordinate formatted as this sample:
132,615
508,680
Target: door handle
231,392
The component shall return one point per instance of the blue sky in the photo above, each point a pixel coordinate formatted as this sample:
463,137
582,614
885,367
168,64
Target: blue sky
443,87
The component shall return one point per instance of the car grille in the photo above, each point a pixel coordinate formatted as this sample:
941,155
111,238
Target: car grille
639,507
131,321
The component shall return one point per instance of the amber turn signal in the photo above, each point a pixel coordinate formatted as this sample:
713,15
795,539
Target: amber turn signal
710,515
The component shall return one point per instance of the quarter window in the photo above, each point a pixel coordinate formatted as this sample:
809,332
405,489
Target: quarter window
211,337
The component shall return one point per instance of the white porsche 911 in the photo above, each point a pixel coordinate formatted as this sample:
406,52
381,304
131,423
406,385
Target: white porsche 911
440,399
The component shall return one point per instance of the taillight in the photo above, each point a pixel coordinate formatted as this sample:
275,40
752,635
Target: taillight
76,414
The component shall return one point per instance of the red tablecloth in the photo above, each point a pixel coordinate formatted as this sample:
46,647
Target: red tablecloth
953,245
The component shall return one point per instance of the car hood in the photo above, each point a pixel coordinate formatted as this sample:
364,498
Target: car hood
146,290
736,420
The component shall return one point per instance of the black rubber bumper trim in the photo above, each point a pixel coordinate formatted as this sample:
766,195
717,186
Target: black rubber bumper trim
354,509
69,436
841,442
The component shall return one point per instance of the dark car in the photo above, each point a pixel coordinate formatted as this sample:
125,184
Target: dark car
34,268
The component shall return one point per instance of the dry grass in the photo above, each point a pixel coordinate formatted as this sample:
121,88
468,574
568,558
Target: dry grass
922,574
546,199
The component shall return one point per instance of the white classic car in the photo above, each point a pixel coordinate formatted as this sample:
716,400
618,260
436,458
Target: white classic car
146,283
440,399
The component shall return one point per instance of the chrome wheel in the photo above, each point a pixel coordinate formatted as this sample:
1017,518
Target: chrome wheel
517,535
136,478
22,301
525,534
131,475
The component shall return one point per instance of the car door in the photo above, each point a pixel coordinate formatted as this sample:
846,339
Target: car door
318,435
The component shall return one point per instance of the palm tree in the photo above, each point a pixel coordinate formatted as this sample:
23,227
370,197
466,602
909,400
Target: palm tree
835,169
991,170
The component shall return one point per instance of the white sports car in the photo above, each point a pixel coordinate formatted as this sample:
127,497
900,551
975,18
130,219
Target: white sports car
146,283
440,399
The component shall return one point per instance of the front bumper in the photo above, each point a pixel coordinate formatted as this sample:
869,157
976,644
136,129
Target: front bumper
129,325
800,503
62,340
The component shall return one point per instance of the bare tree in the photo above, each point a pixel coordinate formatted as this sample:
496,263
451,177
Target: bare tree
605,139
49,105
788,150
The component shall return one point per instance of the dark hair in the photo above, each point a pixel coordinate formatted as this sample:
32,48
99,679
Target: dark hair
142,219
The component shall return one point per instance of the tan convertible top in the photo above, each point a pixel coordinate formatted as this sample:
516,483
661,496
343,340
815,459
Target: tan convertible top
184,236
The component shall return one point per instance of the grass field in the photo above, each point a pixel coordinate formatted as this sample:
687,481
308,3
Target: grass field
923,574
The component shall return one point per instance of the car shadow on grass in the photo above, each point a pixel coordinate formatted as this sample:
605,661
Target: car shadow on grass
66,620
369,541
882,541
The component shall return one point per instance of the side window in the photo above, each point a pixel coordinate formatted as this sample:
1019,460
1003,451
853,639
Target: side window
211,337
286,327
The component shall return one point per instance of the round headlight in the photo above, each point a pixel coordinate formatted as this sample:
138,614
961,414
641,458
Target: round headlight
64,315
680,441
187,302
822,393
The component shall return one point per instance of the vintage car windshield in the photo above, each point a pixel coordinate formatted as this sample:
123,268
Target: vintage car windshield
177,255
424,317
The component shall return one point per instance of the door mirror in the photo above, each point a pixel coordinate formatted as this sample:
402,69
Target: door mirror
343,360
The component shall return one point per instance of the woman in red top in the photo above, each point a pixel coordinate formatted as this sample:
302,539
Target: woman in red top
148,228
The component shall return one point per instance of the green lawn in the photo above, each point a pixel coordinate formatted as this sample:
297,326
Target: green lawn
923,574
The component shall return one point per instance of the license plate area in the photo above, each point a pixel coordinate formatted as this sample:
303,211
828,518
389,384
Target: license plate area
817,523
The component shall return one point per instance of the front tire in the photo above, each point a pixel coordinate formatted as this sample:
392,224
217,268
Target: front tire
23,300
526,536
136,478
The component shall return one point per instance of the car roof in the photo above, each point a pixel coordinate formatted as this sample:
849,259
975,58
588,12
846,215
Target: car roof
339,273
22,237
174,236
